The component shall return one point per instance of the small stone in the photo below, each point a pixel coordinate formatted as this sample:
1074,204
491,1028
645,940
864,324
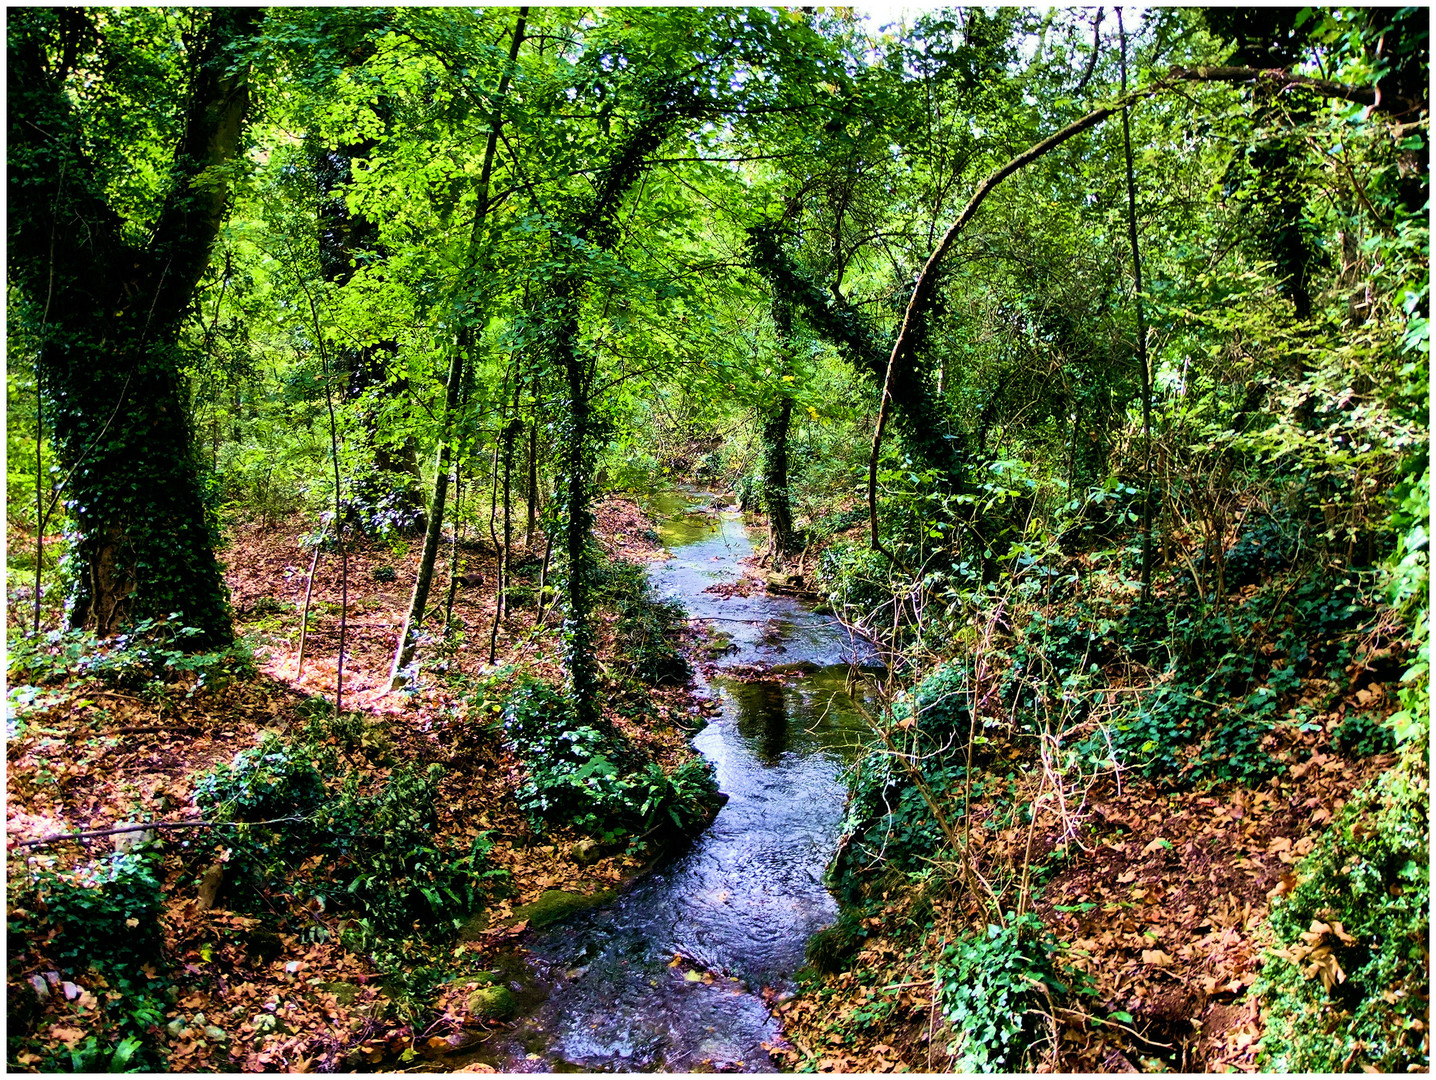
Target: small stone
42,990
128,841
586,852
214,1034
199,1019
209,886
175,1028
71,990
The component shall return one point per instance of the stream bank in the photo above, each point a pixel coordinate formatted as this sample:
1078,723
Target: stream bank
674,974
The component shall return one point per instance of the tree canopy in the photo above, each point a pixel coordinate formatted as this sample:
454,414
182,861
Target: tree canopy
986,311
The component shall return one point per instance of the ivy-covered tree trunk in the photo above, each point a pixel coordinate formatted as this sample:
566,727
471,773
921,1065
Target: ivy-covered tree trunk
774,433
389,496
106,301
574,431
594,228
919,415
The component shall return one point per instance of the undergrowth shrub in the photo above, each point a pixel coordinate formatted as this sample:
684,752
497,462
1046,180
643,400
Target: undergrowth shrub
380,854
152,649
993,987
647,628
99,924
1230,674
887,817
1053,656
853,580
1350,988
592,779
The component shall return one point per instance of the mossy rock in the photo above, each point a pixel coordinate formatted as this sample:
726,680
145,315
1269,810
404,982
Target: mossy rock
344,992
473,929
492,1002
555,905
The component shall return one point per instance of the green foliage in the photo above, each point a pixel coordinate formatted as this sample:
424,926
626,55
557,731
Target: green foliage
993,987
592,780
380,855
647,629
102,917
152,649
1370,873
272,782
106,913
888,822
1210,716
855,580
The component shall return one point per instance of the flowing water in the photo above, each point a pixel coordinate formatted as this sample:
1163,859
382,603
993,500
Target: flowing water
741,903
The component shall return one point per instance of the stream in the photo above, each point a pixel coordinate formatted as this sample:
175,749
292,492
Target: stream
740,904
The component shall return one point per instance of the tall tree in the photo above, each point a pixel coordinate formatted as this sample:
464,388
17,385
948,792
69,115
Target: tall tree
118,155
470,301
386,496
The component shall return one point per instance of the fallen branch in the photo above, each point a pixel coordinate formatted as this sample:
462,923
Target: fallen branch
89,834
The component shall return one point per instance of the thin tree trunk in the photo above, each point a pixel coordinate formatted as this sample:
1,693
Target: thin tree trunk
39,492
531,510
543,578
511,434
408,634
1146,371
453,552
494,538
777,499
338,519
304,616
596,227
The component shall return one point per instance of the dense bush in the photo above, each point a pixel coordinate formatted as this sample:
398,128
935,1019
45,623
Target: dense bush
853,579
152,649
381,856
99,924
887,817
993,987
1350,988
647,628
592,779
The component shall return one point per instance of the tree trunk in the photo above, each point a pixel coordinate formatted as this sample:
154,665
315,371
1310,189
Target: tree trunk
921,418
142,537
1144,367
388,496
594,227
453,386
776,497
532,497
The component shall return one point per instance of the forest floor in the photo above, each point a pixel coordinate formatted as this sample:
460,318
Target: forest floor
272,993
1161,895
1158,891
1161,898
